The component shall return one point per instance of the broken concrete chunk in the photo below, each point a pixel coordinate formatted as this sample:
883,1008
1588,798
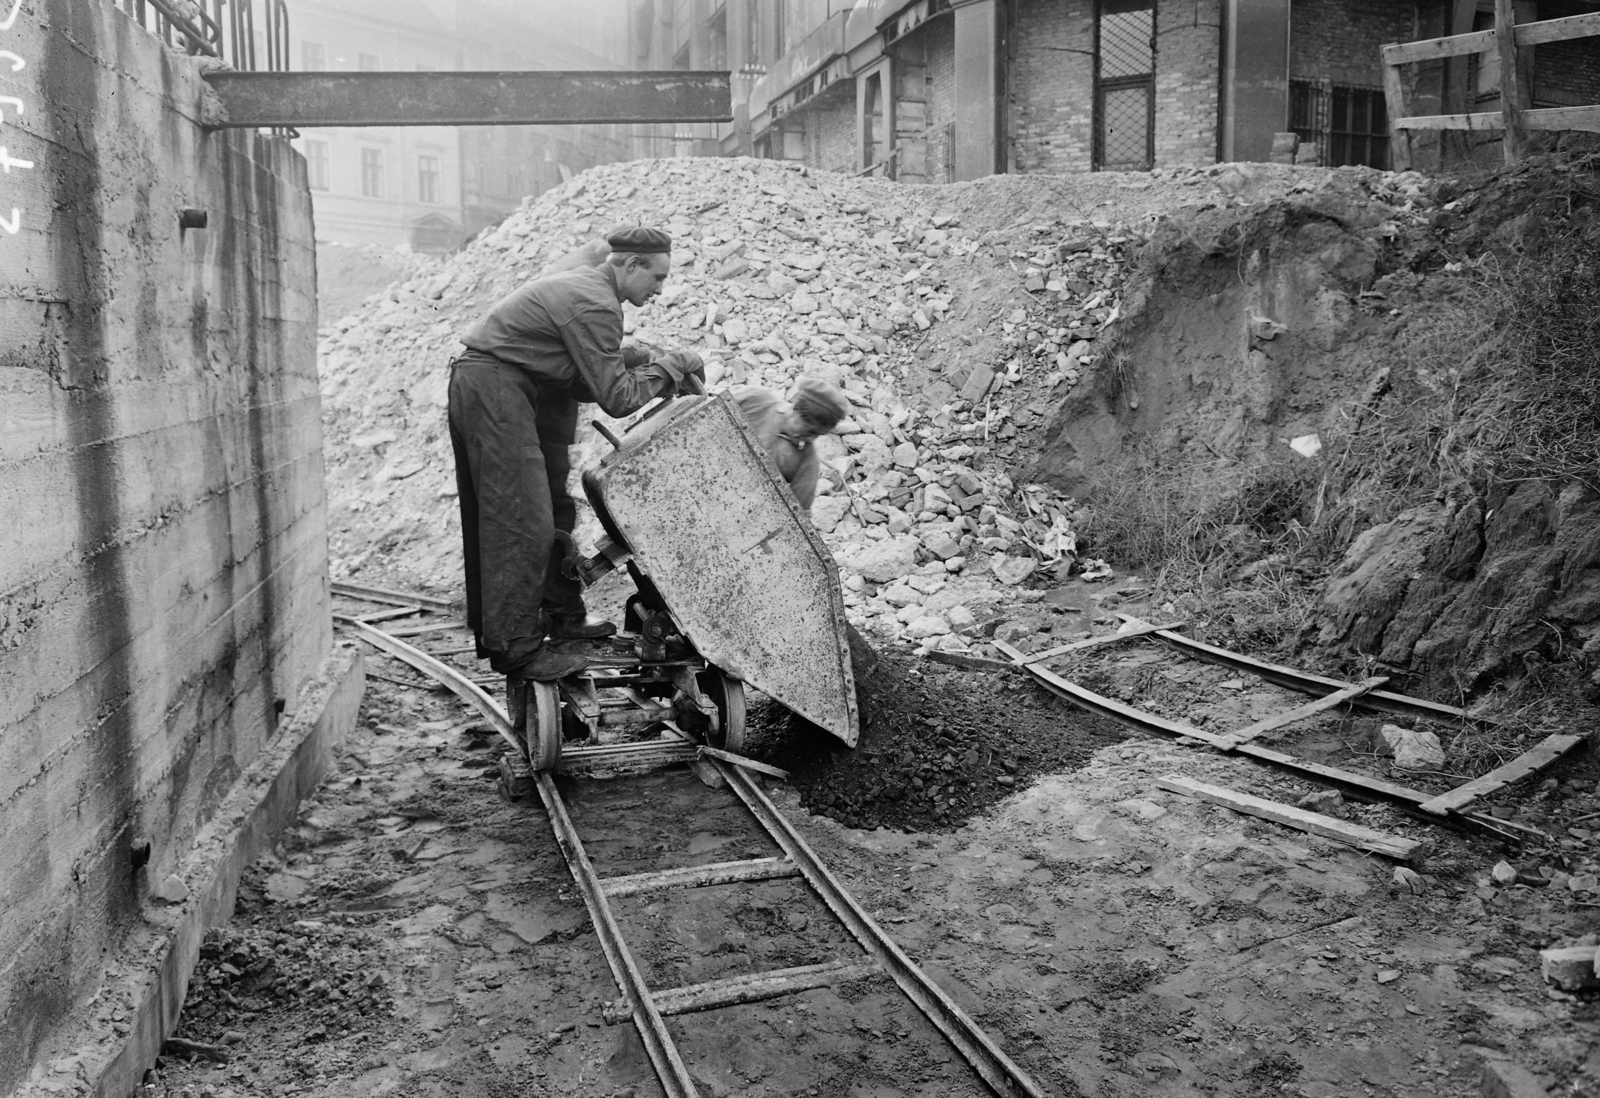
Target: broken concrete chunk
1571,968
887,560
1412,749
1011,570
1504,873
827,511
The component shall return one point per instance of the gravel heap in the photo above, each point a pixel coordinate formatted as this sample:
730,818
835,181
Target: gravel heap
778,273
331,978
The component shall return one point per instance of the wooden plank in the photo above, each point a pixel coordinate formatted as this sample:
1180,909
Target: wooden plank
378,615
1511,104
1563,118
422,630
1558,30
699,876
748,764
1310,709
748,988
1481,120
385,594
1126,633
1586,119
1433,49
1457,45
1525,765
1343,831
1394,94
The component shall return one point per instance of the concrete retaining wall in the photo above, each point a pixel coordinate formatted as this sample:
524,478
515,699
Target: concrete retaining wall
163,549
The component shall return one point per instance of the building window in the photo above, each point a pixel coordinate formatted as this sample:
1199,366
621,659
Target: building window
1125,63
427,178
317,164
313,57
372,173
368,62
1348,124
719,41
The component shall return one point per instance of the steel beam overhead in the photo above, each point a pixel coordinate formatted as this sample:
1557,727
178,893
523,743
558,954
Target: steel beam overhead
311,99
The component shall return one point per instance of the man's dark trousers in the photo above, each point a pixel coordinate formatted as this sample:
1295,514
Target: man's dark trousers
510,436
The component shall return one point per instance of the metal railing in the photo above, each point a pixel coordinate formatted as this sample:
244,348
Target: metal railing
224,29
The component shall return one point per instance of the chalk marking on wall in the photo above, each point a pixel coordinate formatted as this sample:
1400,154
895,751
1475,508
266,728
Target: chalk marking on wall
7,161
14,224
16,6
17,63
16,104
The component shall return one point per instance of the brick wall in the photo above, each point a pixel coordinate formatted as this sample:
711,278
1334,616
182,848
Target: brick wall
1339,41
831,129
1566,74
1188,60
939,42
163,530
1052,86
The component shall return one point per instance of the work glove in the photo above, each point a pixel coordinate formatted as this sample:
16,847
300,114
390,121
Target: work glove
687,371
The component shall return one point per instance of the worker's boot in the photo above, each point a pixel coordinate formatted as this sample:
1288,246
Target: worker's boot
548,664
579,627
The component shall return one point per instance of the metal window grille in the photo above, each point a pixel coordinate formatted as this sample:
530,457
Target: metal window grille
1125,61
1348,123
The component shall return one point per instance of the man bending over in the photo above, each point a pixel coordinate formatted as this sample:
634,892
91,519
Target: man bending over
535,356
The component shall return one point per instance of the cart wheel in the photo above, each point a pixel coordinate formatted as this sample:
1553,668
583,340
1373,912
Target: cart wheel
727,694
544,725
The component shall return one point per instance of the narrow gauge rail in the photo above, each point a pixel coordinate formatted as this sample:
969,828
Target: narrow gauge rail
1449,809
649,1008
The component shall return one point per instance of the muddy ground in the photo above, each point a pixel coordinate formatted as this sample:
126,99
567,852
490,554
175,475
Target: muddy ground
417,935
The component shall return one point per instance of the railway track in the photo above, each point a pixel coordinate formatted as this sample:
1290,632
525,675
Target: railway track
1451,808
647,1007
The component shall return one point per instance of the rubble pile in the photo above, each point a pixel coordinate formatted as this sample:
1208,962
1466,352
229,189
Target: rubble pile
778,273
330,979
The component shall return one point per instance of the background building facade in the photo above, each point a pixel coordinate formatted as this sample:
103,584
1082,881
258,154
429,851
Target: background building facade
942,90
430,188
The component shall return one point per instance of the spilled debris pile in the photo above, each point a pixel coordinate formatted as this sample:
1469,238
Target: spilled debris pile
330,979
928,759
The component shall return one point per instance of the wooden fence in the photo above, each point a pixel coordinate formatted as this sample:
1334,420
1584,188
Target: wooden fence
1514,117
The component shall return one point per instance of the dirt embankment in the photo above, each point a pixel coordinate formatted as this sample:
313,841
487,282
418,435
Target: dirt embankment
1376,380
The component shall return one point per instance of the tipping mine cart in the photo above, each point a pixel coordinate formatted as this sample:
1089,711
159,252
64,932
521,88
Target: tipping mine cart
732,586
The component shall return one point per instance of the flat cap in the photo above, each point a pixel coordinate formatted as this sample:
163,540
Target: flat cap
638,238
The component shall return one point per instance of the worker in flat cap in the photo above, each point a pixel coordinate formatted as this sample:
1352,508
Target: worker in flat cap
530,361
787,429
